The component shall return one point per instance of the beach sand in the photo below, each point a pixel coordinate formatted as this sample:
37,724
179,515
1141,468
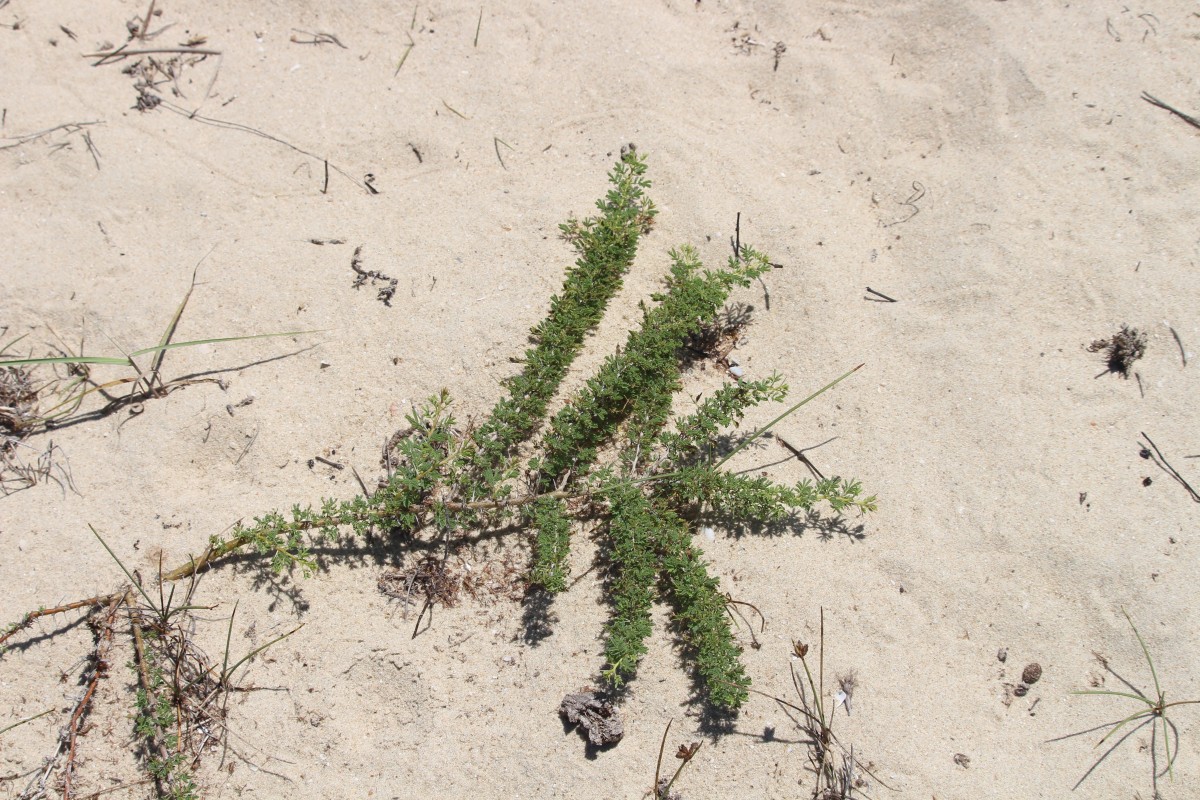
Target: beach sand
990,166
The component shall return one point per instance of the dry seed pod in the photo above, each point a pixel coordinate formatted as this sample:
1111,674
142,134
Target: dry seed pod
1032,673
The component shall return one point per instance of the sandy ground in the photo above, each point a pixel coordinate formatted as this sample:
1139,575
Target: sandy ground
989,165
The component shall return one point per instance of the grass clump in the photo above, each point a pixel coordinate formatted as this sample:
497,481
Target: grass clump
1150,709
839,774
28,408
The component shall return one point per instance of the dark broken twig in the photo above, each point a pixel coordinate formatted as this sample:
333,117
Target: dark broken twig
1188,118
237,126
1161,461
496,142
1179,343
918,193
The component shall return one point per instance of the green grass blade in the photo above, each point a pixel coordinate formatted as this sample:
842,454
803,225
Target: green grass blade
1166,726
225,677
786,414
228,636
1131,696
137,585
1121,724
218,340
20,362
1146,652
817,700
161,352
403,58
128,362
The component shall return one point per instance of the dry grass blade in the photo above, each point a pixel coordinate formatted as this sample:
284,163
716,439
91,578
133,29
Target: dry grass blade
8,728
404,56
127,360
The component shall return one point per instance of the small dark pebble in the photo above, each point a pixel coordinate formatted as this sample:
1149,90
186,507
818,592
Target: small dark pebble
1031,674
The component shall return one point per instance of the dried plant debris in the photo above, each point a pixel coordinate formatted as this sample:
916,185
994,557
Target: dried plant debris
23,466
157,67
485,580
717,339
496,579
18,397
845,693
429,578
599,717
664,792
385,292
151,75
1121,349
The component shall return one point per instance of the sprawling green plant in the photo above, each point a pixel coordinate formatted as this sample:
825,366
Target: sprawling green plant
610,454
661,477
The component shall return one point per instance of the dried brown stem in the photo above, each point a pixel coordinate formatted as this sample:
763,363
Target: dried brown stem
145,51
99,669
28,619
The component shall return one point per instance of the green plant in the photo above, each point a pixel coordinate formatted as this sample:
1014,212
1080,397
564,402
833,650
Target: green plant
1151,709
662,478
617,453
25,414
178,702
